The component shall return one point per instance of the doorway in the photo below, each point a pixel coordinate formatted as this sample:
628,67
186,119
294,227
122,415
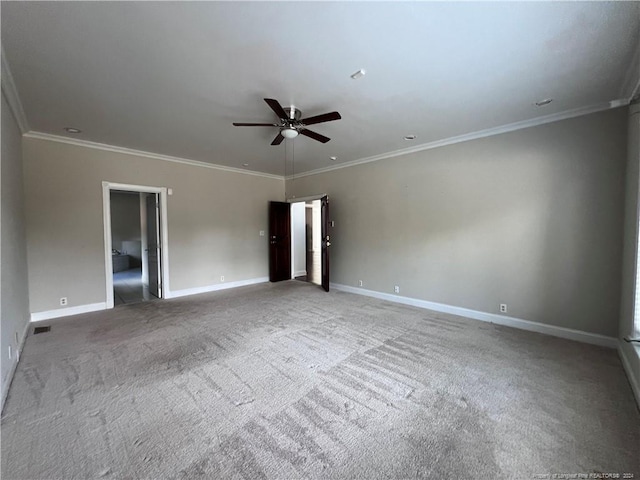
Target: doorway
127,246
136,246
299,241
306,241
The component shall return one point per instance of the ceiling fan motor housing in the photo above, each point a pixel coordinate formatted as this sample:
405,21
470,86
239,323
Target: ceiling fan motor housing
293,113
290,124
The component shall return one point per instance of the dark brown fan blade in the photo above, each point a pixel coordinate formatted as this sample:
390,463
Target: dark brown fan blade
276,107
278,140
315,136
255,124
325,117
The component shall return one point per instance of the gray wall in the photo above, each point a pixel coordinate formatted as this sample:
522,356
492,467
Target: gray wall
214,219
531,218
630,244
14,295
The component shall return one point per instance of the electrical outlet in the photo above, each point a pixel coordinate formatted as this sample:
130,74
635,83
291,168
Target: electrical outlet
63,301
503,308
396,289
222,278
359,283
262,233
10,352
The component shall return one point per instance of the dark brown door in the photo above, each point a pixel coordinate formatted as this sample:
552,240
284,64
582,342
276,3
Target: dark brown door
326,241
279,241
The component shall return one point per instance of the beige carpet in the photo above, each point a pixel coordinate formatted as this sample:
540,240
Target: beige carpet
285,381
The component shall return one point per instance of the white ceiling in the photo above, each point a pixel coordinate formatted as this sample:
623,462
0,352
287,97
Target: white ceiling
170,78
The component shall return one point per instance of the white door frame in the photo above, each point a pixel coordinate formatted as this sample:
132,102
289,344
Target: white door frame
107,187
304,200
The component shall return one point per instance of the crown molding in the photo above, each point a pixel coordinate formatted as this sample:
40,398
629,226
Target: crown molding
554,117
11,94
141,153
631,83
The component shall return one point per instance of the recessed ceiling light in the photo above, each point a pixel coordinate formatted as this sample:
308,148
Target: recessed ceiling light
333,158
542,103
410,137
359,74
245,164
72,130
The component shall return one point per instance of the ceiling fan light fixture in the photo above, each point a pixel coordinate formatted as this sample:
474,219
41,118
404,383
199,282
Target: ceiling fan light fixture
289,132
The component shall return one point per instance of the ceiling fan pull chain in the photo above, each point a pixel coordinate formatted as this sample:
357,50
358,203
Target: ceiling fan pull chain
293,160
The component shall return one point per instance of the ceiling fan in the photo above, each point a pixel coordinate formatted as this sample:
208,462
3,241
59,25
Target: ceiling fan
290,123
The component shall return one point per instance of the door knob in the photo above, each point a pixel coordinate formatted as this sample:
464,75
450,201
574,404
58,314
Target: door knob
328,244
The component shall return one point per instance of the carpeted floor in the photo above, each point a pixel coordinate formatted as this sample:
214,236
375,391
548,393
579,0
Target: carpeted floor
285,381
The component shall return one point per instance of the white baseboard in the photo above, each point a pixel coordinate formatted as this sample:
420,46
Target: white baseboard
7,384
299,273
94,307
213,288
623,350
577,335
65,312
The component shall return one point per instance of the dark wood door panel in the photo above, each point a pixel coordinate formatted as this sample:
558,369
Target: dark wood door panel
279,241
326,241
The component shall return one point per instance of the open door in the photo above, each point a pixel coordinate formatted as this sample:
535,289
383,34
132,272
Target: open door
324,252
153,245
279,241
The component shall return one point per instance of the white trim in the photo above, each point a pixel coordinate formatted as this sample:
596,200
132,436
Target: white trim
418,148
65,312
12,371
306,199
626,363
299,273
106,218
220,286
11,94
554,117
141,153
634,109
631,84
555,331
108,247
